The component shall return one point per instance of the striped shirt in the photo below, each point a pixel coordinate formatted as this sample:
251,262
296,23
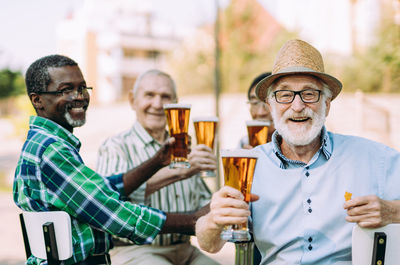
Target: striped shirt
131,148
51,176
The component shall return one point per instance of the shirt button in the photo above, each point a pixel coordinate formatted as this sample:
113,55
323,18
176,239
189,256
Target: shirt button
309,201
307,174
309,210
310,239
310,247
307,167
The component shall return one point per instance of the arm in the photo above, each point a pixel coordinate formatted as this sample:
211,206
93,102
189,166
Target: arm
140,174
89,198
200,158
372,212
227,207
183,223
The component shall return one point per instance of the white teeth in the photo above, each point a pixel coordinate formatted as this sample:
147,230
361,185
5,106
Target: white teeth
77,109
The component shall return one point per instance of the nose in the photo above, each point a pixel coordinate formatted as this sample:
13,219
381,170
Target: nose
261,112
297,104
157,102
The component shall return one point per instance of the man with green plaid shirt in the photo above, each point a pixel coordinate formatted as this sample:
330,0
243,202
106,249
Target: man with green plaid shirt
51,175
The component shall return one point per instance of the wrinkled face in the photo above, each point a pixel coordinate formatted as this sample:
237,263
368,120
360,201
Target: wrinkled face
298,123
258,109
68,111
153,93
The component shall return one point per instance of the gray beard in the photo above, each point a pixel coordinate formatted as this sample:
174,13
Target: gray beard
300,137
72,122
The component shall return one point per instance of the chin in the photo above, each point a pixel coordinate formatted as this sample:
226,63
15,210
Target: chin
74,122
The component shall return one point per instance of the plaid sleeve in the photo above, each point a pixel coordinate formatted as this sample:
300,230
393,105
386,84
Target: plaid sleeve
87,196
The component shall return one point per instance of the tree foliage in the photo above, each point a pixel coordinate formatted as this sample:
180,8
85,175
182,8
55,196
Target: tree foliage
378,68
11,83
249,39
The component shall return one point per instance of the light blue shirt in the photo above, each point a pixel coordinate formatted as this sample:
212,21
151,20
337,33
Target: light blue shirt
299,218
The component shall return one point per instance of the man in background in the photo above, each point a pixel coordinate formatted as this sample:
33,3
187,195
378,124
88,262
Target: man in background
170,190
258,110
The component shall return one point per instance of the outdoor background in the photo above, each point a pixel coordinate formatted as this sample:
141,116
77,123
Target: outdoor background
213,59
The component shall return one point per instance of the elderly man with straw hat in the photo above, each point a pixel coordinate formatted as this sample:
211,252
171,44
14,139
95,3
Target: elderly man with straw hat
298,212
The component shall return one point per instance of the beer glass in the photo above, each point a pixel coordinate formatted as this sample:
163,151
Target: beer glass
257,132
178,124
239,168
205,128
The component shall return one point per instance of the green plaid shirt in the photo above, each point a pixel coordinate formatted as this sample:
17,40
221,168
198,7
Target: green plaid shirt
51,176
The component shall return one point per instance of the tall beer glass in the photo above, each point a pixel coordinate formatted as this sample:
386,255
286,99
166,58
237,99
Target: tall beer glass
257,132
178,124
239,168
205,128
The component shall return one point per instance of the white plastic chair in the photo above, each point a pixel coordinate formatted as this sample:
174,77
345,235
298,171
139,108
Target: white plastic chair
380,246
47,235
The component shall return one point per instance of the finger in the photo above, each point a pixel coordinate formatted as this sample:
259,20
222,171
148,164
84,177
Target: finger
202,147
254,197
229,220
227,191
229,203
361,200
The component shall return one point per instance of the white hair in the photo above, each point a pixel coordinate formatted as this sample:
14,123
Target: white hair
155,72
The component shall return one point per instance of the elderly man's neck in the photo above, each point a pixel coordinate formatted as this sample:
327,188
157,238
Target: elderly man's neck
302,153
158,135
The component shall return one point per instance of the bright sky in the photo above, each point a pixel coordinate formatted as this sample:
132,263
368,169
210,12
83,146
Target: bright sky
27,29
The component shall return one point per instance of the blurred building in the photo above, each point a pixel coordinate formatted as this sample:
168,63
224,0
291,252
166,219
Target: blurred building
114,42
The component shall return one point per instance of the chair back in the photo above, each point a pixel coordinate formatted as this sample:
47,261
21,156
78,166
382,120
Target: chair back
376,246
34,222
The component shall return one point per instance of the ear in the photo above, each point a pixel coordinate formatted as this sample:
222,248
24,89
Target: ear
131,99
266,100
328,106
36,101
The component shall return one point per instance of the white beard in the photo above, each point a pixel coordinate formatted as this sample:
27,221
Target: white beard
301,136
72,122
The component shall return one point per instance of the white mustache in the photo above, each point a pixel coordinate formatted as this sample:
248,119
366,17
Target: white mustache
305,113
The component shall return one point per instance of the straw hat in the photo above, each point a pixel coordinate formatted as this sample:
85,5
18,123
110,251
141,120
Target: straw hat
298,57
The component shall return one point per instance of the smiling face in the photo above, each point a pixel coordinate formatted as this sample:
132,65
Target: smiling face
299,123
258,110
154,91
67,111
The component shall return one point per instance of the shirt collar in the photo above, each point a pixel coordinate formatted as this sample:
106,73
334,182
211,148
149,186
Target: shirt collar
53,128
144,135
325,148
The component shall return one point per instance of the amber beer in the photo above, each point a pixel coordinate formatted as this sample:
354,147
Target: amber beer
257,132
178,124
239,168
205,128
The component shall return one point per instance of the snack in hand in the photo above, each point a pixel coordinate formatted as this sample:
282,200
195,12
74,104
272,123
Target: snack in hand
347,196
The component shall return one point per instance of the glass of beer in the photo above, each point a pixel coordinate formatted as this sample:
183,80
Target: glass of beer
257,132
239,168
206,128
178,124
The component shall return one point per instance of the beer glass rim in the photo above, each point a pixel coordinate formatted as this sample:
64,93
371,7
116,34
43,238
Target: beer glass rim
206,118
250,153
257,123
177,106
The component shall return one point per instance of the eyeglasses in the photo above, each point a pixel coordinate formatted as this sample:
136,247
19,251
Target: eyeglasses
255,103
306,95
70,92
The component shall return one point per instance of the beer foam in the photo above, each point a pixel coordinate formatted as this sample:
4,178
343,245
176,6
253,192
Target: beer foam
177,106
257,123
208,118
240,153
